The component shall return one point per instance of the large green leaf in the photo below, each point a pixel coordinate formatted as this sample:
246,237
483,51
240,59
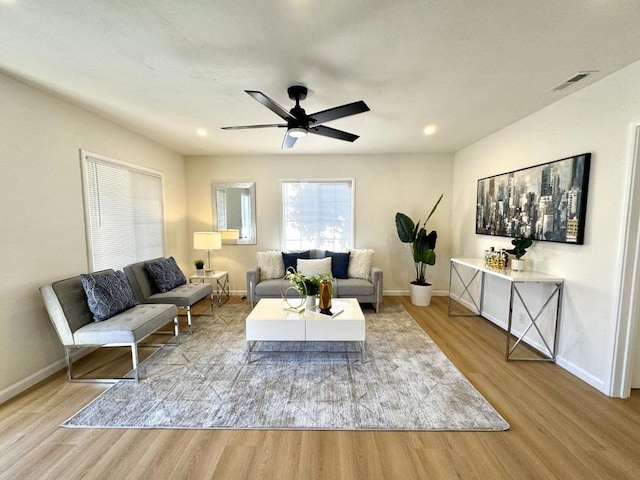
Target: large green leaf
405,227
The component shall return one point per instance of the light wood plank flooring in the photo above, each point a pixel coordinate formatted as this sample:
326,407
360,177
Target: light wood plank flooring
561,428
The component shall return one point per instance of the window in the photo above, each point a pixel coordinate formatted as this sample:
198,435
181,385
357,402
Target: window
123,210
317,214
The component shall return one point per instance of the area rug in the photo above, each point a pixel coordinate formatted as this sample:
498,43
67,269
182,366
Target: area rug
404,383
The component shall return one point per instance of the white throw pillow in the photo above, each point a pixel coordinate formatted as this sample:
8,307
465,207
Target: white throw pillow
360,263
314,267
271,264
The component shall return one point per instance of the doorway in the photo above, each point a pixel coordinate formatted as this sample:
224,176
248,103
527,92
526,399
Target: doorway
626,371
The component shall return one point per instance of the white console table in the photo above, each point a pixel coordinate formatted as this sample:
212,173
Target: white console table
516,279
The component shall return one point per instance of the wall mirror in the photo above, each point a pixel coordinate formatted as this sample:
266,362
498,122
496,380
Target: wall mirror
234,212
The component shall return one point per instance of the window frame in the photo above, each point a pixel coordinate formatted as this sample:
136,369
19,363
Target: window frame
130,167
349,180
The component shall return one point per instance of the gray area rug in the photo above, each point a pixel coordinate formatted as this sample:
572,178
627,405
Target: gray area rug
405,383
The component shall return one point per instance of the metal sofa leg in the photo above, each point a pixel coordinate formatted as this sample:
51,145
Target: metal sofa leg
69,363
134,360
189,319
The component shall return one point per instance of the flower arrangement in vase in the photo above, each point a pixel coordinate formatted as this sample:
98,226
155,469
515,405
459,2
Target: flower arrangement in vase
307,286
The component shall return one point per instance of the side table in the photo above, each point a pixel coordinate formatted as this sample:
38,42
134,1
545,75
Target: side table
221,289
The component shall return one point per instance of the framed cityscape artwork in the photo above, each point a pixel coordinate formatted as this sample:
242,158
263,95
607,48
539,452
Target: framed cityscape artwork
546,202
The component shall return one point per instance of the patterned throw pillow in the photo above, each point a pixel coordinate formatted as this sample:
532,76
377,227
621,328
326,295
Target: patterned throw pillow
314,267
165,274
108,293
360,262
339,263
270,264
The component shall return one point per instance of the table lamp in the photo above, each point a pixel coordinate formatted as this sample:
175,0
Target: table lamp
230,235
207,241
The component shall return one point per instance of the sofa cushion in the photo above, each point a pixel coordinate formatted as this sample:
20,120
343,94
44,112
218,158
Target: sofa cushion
108,293
360,263
290,259
165,274
314,267
183,295
271,264
128,326
353,287
339,264
271,288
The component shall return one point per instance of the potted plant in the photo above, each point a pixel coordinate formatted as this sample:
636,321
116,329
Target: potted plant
520,245
307,286
423,246
199,267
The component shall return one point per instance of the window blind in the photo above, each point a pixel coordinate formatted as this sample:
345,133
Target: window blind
124,212
317,214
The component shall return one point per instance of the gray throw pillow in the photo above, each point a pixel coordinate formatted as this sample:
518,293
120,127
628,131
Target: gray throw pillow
108,293
165,274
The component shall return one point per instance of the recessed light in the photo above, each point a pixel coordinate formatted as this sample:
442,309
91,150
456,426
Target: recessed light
429,129
202,132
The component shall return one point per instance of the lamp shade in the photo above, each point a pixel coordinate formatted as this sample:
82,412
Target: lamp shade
230,234
207,240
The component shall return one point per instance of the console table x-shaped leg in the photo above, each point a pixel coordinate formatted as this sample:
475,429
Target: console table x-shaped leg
516,279
550,352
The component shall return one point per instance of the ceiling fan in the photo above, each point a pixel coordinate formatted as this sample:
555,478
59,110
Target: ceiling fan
299,123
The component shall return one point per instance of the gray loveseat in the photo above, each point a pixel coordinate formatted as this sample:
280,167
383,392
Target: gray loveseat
185,295
68,307
365,290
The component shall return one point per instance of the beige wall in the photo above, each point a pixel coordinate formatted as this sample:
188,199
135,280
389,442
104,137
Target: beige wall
599,119
385,184
43,231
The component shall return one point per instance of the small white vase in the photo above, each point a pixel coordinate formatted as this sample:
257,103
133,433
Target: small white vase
421,294
311,301
517,265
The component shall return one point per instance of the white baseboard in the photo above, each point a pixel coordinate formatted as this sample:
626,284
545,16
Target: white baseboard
562,362
586,377
406,293
26,383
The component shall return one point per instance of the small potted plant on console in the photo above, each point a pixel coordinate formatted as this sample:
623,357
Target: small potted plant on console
520,245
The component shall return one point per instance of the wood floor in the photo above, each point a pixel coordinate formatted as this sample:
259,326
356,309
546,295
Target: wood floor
561,428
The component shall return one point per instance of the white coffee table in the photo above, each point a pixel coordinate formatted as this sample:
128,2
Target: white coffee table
269,321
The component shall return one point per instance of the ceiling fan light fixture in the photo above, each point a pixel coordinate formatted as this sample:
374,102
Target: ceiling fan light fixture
297,132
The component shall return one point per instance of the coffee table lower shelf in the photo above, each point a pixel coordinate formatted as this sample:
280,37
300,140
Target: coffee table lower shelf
270,322
251,349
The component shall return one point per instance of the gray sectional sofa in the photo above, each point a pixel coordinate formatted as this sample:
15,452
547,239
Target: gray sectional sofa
367,288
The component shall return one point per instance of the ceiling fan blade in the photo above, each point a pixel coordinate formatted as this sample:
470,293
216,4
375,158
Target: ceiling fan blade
288,141
333,133
243,127
271,105
338,112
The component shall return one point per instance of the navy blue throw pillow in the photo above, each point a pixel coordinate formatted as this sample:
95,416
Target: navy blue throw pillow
290,259
108,293
165,274
339,263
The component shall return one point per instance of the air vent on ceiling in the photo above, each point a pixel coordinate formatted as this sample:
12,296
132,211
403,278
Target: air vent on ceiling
573,80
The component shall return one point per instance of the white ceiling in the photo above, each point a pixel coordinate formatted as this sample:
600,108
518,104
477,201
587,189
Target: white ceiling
167,68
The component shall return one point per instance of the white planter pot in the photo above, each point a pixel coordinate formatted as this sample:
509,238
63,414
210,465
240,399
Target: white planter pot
310,302
421,294
517,265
